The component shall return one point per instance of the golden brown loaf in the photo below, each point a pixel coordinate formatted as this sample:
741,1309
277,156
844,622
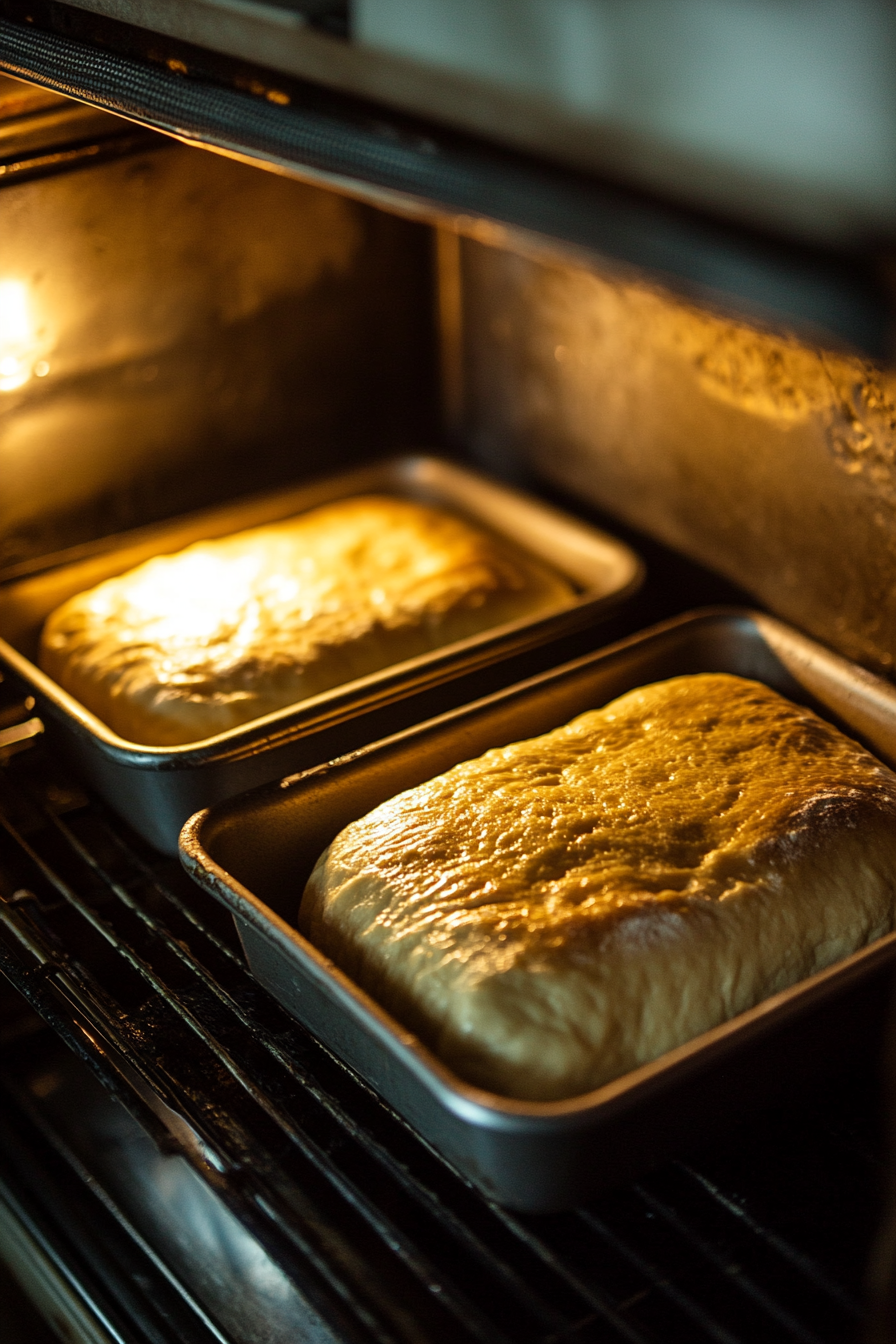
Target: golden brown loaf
561,910
188,645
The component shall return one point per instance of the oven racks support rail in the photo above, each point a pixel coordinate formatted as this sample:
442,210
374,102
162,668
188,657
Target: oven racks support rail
760,1235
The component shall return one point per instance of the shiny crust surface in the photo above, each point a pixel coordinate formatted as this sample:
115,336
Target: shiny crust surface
189,645
559,911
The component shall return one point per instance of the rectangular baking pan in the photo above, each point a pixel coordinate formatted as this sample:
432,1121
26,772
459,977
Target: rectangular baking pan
157,788
255,853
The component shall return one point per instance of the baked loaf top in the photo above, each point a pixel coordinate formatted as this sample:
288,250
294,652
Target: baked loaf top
188,645
564,909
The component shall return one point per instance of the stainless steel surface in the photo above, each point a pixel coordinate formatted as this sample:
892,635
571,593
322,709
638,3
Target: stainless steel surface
157,788
161,1197
666,95
555,79
764,456
36,124
46,1289
310,124
255,853
177,330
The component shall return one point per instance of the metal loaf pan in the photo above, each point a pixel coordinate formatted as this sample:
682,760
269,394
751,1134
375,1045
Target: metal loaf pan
255,853
157,788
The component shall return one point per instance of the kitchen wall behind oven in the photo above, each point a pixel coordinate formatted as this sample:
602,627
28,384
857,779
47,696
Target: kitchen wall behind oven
177,328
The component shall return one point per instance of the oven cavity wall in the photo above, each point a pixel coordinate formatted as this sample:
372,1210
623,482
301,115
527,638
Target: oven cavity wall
766,454
177,328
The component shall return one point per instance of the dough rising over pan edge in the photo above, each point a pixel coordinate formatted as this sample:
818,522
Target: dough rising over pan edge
561,910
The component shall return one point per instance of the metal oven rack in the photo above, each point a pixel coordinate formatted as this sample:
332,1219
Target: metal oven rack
342,1215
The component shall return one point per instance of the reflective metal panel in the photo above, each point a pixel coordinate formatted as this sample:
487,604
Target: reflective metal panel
176,328
767,458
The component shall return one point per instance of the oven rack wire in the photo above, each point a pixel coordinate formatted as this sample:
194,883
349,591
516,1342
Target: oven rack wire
761,1234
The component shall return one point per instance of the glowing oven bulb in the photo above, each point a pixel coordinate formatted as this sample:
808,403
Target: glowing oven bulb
17,336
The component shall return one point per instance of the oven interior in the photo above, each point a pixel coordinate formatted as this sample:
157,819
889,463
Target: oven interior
179,1161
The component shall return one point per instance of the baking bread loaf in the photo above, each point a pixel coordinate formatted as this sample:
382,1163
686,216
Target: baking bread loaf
564,909
188,645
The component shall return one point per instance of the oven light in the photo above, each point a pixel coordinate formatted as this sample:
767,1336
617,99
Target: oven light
13,373
17,336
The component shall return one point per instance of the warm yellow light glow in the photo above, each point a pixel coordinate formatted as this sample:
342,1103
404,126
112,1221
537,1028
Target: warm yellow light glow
17,336
15,323
194,601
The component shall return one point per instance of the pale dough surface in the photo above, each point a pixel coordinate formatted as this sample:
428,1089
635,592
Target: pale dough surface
555,913
188,645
